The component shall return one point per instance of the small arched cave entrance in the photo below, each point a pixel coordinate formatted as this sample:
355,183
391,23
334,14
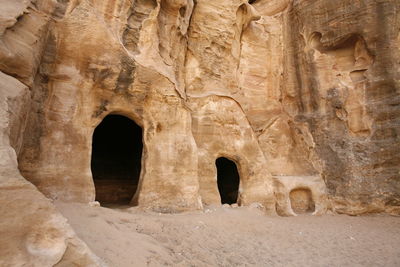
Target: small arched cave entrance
228,180
116,159
301,200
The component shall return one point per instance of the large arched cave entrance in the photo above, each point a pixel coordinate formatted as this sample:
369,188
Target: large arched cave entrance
228,180
116,159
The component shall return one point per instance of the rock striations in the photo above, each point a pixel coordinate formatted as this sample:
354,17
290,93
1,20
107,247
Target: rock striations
301,95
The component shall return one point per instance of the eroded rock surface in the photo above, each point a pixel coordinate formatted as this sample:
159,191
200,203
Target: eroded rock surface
303,91
342,80
32,230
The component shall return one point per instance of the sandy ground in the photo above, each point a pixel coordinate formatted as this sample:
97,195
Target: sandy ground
225,236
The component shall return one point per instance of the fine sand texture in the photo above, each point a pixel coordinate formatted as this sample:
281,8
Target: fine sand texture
228,236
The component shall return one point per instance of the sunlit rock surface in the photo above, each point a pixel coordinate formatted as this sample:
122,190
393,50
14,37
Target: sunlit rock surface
300,95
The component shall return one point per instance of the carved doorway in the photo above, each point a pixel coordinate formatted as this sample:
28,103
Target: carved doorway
116,159
228,180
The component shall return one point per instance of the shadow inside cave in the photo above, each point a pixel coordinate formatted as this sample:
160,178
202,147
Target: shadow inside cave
116,159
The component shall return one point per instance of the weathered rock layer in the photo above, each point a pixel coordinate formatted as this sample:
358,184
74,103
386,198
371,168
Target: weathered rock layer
300,95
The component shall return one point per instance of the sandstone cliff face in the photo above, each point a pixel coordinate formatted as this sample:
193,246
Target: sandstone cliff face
343,83
301,95
32,230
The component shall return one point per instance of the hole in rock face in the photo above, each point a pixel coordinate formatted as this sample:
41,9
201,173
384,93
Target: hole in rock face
301,200
228,180
182,11
116,159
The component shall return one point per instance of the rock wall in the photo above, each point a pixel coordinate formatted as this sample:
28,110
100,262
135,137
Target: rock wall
80,82
299,94
343,82
32,230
